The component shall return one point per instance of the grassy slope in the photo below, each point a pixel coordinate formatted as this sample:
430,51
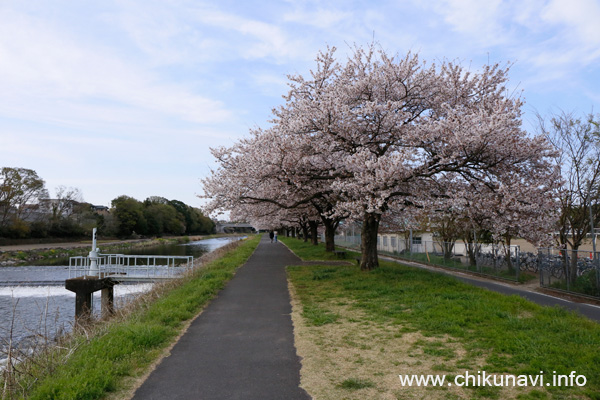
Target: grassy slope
128,348
507,334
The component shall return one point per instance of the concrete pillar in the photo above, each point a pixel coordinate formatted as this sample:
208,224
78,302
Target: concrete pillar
84,287
108,304
83,305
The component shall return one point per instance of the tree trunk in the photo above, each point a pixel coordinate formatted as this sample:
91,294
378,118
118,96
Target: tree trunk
573,270
329,234
509,263
305,232
472,250
577,236
448,250
314,235
370,228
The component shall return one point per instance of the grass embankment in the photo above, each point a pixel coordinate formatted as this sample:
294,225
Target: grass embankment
123,350
60,253
357,331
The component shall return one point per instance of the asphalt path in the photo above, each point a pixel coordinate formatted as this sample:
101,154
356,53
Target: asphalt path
242,345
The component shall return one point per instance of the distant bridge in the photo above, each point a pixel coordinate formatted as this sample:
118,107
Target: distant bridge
235,228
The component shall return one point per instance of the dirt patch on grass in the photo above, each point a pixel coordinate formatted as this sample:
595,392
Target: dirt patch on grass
357,358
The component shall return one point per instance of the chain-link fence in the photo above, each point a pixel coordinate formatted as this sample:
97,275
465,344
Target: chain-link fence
489,259
572,271
496,260
576,271
348,241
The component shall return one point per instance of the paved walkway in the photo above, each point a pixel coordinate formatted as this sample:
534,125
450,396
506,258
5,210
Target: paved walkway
242,345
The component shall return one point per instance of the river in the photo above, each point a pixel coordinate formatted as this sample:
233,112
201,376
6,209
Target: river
35,303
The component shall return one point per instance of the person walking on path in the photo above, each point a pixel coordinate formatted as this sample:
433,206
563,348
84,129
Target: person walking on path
271,235
242,345
275,236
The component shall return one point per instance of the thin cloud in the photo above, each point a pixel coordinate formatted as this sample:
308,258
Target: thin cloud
55,65
579,18
255,39
318,18
481,20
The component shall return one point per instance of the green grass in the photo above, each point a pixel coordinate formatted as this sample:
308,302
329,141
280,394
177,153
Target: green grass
584,284
438,260
356,383
511,334
100,364
309,252
433,259
318,316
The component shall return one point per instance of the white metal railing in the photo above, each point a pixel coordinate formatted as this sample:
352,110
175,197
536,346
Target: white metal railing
130,267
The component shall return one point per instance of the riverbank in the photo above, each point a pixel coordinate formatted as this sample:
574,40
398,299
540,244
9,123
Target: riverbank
111,356
22,254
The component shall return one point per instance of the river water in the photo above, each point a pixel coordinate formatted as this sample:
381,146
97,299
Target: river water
34,301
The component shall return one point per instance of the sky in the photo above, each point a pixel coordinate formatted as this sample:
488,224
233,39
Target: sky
127,97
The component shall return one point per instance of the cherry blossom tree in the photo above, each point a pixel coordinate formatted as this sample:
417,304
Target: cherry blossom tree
394,127
270,174
380,132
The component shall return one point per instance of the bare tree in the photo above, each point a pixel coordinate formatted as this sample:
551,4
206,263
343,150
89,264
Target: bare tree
577,141
66,200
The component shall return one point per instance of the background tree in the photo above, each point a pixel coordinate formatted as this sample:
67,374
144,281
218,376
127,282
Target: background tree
157,216
577,142
26,211
195,222
185,213
66,215
65,202
20,189
447,227
162,218
129,214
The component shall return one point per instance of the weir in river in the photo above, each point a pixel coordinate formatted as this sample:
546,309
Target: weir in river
33,299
